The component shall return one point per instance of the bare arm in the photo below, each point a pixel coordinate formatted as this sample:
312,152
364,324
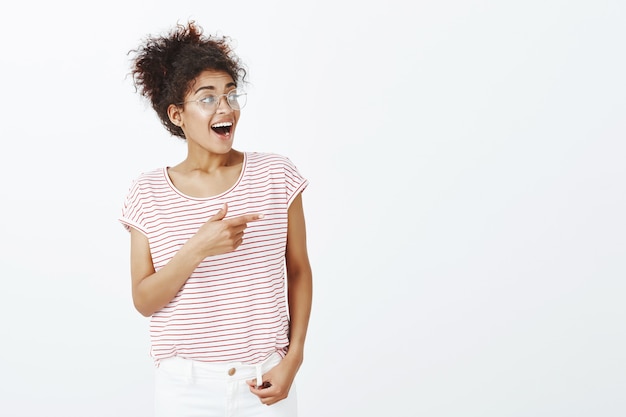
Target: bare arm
299,281
299,292
153,290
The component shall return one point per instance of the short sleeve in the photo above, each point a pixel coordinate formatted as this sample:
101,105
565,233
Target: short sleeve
295,183
132,209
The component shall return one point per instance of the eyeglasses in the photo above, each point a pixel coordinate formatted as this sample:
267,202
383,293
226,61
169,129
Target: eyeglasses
235,99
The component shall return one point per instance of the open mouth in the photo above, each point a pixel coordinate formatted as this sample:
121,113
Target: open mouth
222,128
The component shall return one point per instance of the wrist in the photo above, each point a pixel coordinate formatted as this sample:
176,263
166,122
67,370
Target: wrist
192,250
295,356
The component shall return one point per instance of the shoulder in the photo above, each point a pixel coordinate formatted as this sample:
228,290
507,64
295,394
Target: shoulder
148,178
151,175
279,168
268,160
146,182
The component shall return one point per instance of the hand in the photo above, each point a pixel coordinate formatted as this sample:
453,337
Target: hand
219,235
276,383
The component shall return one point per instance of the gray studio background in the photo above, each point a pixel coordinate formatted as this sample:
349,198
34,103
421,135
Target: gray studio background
465,208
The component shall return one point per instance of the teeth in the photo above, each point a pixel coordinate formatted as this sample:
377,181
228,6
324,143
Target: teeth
223,124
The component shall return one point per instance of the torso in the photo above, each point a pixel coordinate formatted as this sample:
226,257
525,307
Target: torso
233,306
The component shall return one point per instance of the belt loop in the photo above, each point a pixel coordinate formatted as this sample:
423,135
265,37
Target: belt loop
259,374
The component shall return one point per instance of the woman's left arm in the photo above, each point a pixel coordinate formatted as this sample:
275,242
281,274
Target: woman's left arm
299,281
299,296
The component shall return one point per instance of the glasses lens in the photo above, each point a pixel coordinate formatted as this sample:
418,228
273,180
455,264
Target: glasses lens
237,100
208,103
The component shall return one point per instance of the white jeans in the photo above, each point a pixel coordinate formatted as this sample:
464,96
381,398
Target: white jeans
186,388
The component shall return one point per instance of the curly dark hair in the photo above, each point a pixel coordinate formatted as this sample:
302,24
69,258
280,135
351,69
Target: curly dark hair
164,67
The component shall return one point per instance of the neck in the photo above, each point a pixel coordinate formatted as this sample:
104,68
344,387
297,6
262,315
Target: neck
210,162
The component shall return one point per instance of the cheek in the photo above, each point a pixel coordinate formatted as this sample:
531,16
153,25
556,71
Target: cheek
196,120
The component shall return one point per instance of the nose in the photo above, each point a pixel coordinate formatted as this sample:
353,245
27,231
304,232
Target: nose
223,108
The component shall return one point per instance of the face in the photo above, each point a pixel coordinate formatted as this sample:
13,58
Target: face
207,126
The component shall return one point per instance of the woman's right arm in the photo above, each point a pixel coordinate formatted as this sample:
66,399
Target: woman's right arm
153,290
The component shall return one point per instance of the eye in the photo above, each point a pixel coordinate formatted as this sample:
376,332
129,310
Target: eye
208,100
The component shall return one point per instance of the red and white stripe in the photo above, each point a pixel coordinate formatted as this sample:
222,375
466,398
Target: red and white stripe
233,306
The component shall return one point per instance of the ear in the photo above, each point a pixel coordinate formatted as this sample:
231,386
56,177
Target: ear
175,114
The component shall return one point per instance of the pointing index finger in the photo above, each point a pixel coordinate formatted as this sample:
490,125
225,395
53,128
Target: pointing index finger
245,218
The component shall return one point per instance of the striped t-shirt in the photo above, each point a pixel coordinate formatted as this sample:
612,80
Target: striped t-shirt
233,306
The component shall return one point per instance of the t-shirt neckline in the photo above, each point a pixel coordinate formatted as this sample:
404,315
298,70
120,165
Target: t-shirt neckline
220,195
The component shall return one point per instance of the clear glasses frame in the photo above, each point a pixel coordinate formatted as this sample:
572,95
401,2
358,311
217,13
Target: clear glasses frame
236,100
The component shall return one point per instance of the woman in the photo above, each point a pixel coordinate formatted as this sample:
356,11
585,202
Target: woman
212,239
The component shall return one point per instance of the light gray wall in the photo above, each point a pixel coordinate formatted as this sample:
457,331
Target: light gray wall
465,213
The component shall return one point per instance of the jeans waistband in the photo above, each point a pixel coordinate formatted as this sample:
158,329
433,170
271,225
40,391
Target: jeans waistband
229,371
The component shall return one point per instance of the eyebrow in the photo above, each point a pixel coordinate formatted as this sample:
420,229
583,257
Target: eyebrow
210,87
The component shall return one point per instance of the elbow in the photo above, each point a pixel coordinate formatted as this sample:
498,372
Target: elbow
142,308
143,311
300,273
